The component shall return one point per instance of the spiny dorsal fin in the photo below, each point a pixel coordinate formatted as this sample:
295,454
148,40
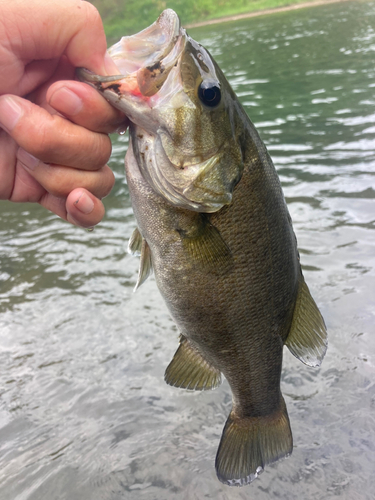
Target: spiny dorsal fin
307,338
207,248
249,443
135,243
189,370
145,264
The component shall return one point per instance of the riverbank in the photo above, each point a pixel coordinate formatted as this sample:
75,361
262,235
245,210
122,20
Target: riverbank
125,18
263,12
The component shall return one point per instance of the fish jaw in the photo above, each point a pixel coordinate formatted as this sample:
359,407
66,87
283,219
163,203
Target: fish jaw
144,61
146,49
161,70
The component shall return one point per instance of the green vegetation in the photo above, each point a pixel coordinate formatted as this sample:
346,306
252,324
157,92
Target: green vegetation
125,17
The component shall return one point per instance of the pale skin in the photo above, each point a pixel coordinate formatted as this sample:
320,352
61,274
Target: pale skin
54,142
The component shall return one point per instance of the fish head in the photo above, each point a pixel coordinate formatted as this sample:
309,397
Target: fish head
182,114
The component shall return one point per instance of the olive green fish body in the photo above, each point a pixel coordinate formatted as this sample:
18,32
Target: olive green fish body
233,300
214,226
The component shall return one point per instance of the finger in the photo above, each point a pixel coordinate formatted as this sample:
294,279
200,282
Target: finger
52,138
16,183
8,148
85,106
60,180
79,34
80,207
77,101
84,209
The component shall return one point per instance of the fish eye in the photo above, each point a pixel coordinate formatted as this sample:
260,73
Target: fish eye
210,96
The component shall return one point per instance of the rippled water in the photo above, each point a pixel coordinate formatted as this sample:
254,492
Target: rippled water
84,411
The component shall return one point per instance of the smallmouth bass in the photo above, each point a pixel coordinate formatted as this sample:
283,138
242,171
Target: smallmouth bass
214,227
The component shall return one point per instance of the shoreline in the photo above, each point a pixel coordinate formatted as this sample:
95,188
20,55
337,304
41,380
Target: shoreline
256,13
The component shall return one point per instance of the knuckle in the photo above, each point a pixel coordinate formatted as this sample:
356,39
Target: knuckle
58,141
103,182
41,143
92,14
109,180
92,19
57,181
101,149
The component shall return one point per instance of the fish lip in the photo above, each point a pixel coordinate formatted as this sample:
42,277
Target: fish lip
149,46
85,75
136,53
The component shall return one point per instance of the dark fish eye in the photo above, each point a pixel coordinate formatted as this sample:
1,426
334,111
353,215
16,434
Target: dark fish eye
210,96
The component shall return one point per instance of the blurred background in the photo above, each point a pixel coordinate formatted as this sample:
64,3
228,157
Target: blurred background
122,17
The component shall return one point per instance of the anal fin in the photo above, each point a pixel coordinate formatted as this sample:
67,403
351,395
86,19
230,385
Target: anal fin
189,370
307,338
249,443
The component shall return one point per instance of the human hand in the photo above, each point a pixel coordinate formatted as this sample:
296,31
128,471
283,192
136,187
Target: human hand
44,157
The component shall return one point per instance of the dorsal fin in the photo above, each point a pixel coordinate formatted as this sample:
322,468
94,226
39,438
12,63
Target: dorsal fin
307,338
189,370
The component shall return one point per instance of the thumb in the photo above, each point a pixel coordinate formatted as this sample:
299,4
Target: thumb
47,30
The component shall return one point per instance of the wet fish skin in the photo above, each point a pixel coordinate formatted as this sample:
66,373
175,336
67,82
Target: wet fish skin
224,311
214,226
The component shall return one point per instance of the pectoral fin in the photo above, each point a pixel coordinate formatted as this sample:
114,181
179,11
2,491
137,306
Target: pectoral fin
307,338
189,370
206,247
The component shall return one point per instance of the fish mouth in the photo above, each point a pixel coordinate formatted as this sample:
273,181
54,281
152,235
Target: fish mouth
150,90
144,60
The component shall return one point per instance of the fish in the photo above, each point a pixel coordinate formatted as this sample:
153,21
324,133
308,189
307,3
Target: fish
214,228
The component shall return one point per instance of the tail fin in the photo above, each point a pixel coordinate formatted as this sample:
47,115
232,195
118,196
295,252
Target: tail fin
248,444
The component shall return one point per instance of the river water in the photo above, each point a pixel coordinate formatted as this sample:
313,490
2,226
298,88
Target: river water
84,411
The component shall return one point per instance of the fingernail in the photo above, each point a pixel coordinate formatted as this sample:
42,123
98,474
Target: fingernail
66,101
28,160
84,203
110,66
10,113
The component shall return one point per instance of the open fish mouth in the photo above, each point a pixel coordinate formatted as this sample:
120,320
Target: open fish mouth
170,90
144,60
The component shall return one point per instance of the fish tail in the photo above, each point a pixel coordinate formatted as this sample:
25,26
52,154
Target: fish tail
248,444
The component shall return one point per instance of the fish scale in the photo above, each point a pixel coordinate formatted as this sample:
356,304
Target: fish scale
214,226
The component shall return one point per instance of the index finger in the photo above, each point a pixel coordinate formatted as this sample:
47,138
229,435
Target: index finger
52,138
85,106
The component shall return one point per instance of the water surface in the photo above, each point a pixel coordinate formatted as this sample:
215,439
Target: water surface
84,411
